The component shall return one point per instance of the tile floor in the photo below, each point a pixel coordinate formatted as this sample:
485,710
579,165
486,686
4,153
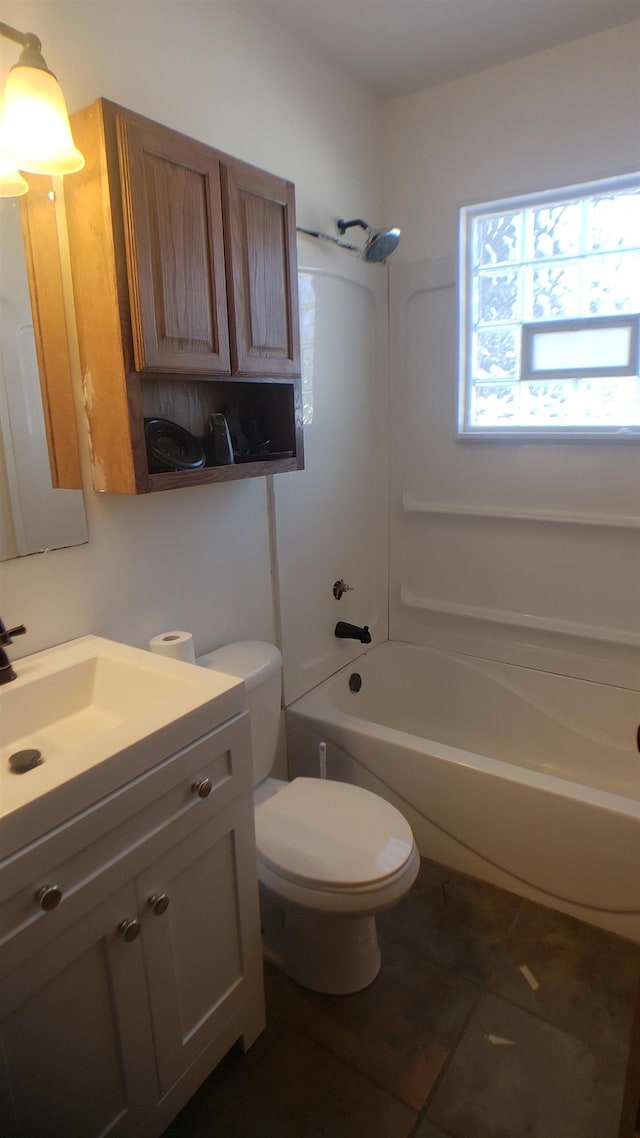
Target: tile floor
450,1041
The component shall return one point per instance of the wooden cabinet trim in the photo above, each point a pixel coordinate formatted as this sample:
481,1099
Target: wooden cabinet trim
109,302
92,199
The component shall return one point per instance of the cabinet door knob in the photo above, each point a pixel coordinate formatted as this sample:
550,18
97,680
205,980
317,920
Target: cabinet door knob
129,929
159,903
49,897
202,787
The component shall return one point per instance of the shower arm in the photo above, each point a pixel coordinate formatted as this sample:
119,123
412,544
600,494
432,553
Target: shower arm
342,225
327,237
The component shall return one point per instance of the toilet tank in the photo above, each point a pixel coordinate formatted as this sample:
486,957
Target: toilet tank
260,666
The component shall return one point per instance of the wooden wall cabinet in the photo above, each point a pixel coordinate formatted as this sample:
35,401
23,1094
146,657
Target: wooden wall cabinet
185,284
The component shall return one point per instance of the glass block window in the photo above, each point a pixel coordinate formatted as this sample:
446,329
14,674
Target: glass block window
549,313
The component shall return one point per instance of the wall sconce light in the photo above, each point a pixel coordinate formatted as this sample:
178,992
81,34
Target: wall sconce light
36,135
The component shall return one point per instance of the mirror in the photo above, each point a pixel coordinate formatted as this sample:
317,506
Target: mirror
41,505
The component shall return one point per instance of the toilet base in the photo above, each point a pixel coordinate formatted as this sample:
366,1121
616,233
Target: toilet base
331,954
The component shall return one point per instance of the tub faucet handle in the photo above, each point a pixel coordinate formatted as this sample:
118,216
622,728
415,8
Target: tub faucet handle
339,587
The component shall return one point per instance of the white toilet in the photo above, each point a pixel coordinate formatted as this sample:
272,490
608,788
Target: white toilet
330,855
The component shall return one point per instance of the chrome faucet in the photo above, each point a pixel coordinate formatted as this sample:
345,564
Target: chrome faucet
346,631
6,671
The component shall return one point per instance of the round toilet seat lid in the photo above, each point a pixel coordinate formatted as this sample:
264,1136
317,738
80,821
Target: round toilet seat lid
331,833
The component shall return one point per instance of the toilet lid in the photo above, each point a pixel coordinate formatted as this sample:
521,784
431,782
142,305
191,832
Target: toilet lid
331,833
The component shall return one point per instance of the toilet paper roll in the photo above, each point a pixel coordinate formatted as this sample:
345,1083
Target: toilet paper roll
177,645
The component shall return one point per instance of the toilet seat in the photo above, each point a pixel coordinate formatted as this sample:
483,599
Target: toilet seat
317,834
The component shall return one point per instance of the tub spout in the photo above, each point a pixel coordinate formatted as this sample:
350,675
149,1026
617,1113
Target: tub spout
346,631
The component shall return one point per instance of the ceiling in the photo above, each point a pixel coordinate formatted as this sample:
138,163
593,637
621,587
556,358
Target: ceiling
397,46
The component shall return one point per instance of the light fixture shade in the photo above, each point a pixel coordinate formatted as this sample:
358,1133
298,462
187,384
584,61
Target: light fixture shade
12,184
37,135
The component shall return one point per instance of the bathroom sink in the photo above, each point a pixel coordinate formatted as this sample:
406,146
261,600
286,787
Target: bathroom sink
100,714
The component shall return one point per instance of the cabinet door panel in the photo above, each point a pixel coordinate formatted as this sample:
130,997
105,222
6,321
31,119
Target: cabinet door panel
261,266
75,1034
175,251
202,953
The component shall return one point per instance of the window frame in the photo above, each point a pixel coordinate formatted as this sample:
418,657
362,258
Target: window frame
468,215
579,324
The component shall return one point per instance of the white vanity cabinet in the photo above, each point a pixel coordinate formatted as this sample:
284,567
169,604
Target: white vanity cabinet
77,1049
116,1003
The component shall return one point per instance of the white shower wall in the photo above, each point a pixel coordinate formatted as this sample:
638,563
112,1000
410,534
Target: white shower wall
523,551
332,519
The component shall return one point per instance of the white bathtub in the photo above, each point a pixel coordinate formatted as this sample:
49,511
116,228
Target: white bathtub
524,778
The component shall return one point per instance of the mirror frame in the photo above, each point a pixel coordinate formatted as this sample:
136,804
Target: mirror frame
46,288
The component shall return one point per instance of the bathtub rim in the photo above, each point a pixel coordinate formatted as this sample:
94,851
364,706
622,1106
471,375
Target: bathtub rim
316,705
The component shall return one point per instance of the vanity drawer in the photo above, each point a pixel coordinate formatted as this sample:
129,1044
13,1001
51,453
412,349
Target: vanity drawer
104,847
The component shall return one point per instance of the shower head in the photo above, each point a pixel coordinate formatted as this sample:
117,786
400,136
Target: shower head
380,243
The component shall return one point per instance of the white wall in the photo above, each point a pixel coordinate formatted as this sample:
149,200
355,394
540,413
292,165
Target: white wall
563,594
204,558
198,558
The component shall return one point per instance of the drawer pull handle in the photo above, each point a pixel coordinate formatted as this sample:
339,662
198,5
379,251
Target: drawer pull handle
159,903
129,929
202,787
49,897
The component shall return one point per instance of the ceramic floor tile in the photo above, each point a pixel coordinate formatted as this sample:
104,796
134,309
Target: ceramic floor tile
399,1031
426,1129
299,1090
457,921
587,977
362,1066
197,1118
543,1084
